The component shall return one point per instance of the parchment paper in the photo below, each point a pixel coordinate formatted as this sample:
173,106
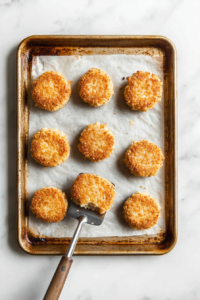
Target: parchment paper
74,117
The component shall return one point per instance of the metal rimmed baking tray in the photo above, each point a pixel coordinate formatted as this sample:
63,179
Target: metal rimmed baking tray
87,45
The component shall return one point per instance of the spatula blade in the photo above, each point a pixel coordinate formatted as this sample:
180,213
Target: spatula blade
93,217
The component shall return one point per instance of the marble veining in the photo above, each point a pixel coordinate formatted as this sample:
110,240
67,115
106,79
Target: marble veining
174,276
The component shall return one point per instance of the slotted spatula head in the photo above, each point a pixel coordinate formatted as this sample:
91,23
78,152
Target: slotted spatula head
93,217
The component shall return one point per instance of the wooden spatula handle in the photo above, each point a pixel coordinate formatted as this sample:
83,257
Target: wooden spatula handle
62,271
58,280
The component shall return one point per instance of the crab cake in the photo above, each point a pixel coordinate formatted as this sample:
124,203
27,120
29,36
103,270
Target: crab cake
50,147
49,204
144,158
141,211
143,91
97,142
51,91
93,192
96,87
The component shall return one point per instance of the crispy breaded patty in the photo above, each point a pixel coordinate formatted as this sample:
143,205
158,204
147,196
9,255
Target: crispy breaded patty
93,192
143,91
97,142
141,211
49,204
51,91
144,158
96,87
50,147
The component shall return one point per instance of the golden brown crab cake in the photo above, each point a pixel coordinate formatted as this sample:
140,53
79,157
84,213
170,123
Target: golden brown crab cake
50,147
144,158
143,91
97,142
95,87
93,192
51,91
141,211
49,204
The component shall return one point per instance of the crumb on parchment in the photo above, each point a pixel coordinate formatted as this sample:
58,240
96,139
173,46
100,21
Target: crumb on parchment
131,122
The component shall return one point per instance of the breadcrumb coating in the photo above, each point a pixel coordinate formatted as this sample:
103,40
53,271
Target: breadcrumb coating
143,91
96,87
97,142
51,91
93,192
50,147
141,211
49,204
144,158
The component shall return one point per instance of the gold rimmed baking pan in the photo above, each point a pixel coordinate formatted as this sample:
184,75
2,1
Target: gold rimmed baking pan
86,45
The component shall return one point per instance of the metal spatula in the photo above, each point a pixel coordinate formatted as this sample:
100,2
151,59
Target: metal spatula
83,216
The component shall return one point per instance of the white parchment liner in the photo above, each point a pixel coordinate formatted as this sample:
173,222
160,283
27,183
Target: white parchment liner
74,117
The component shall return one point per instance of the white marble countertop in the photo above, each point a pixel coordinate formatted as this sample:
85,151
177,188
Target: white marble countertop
173,276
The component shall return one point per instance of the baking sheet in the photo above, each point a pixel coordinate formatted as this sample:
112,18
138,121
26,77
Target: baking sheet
74,117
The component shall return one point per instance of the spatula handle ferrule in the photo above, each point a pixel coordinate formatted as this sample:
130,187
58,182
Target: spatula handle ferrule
72,245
